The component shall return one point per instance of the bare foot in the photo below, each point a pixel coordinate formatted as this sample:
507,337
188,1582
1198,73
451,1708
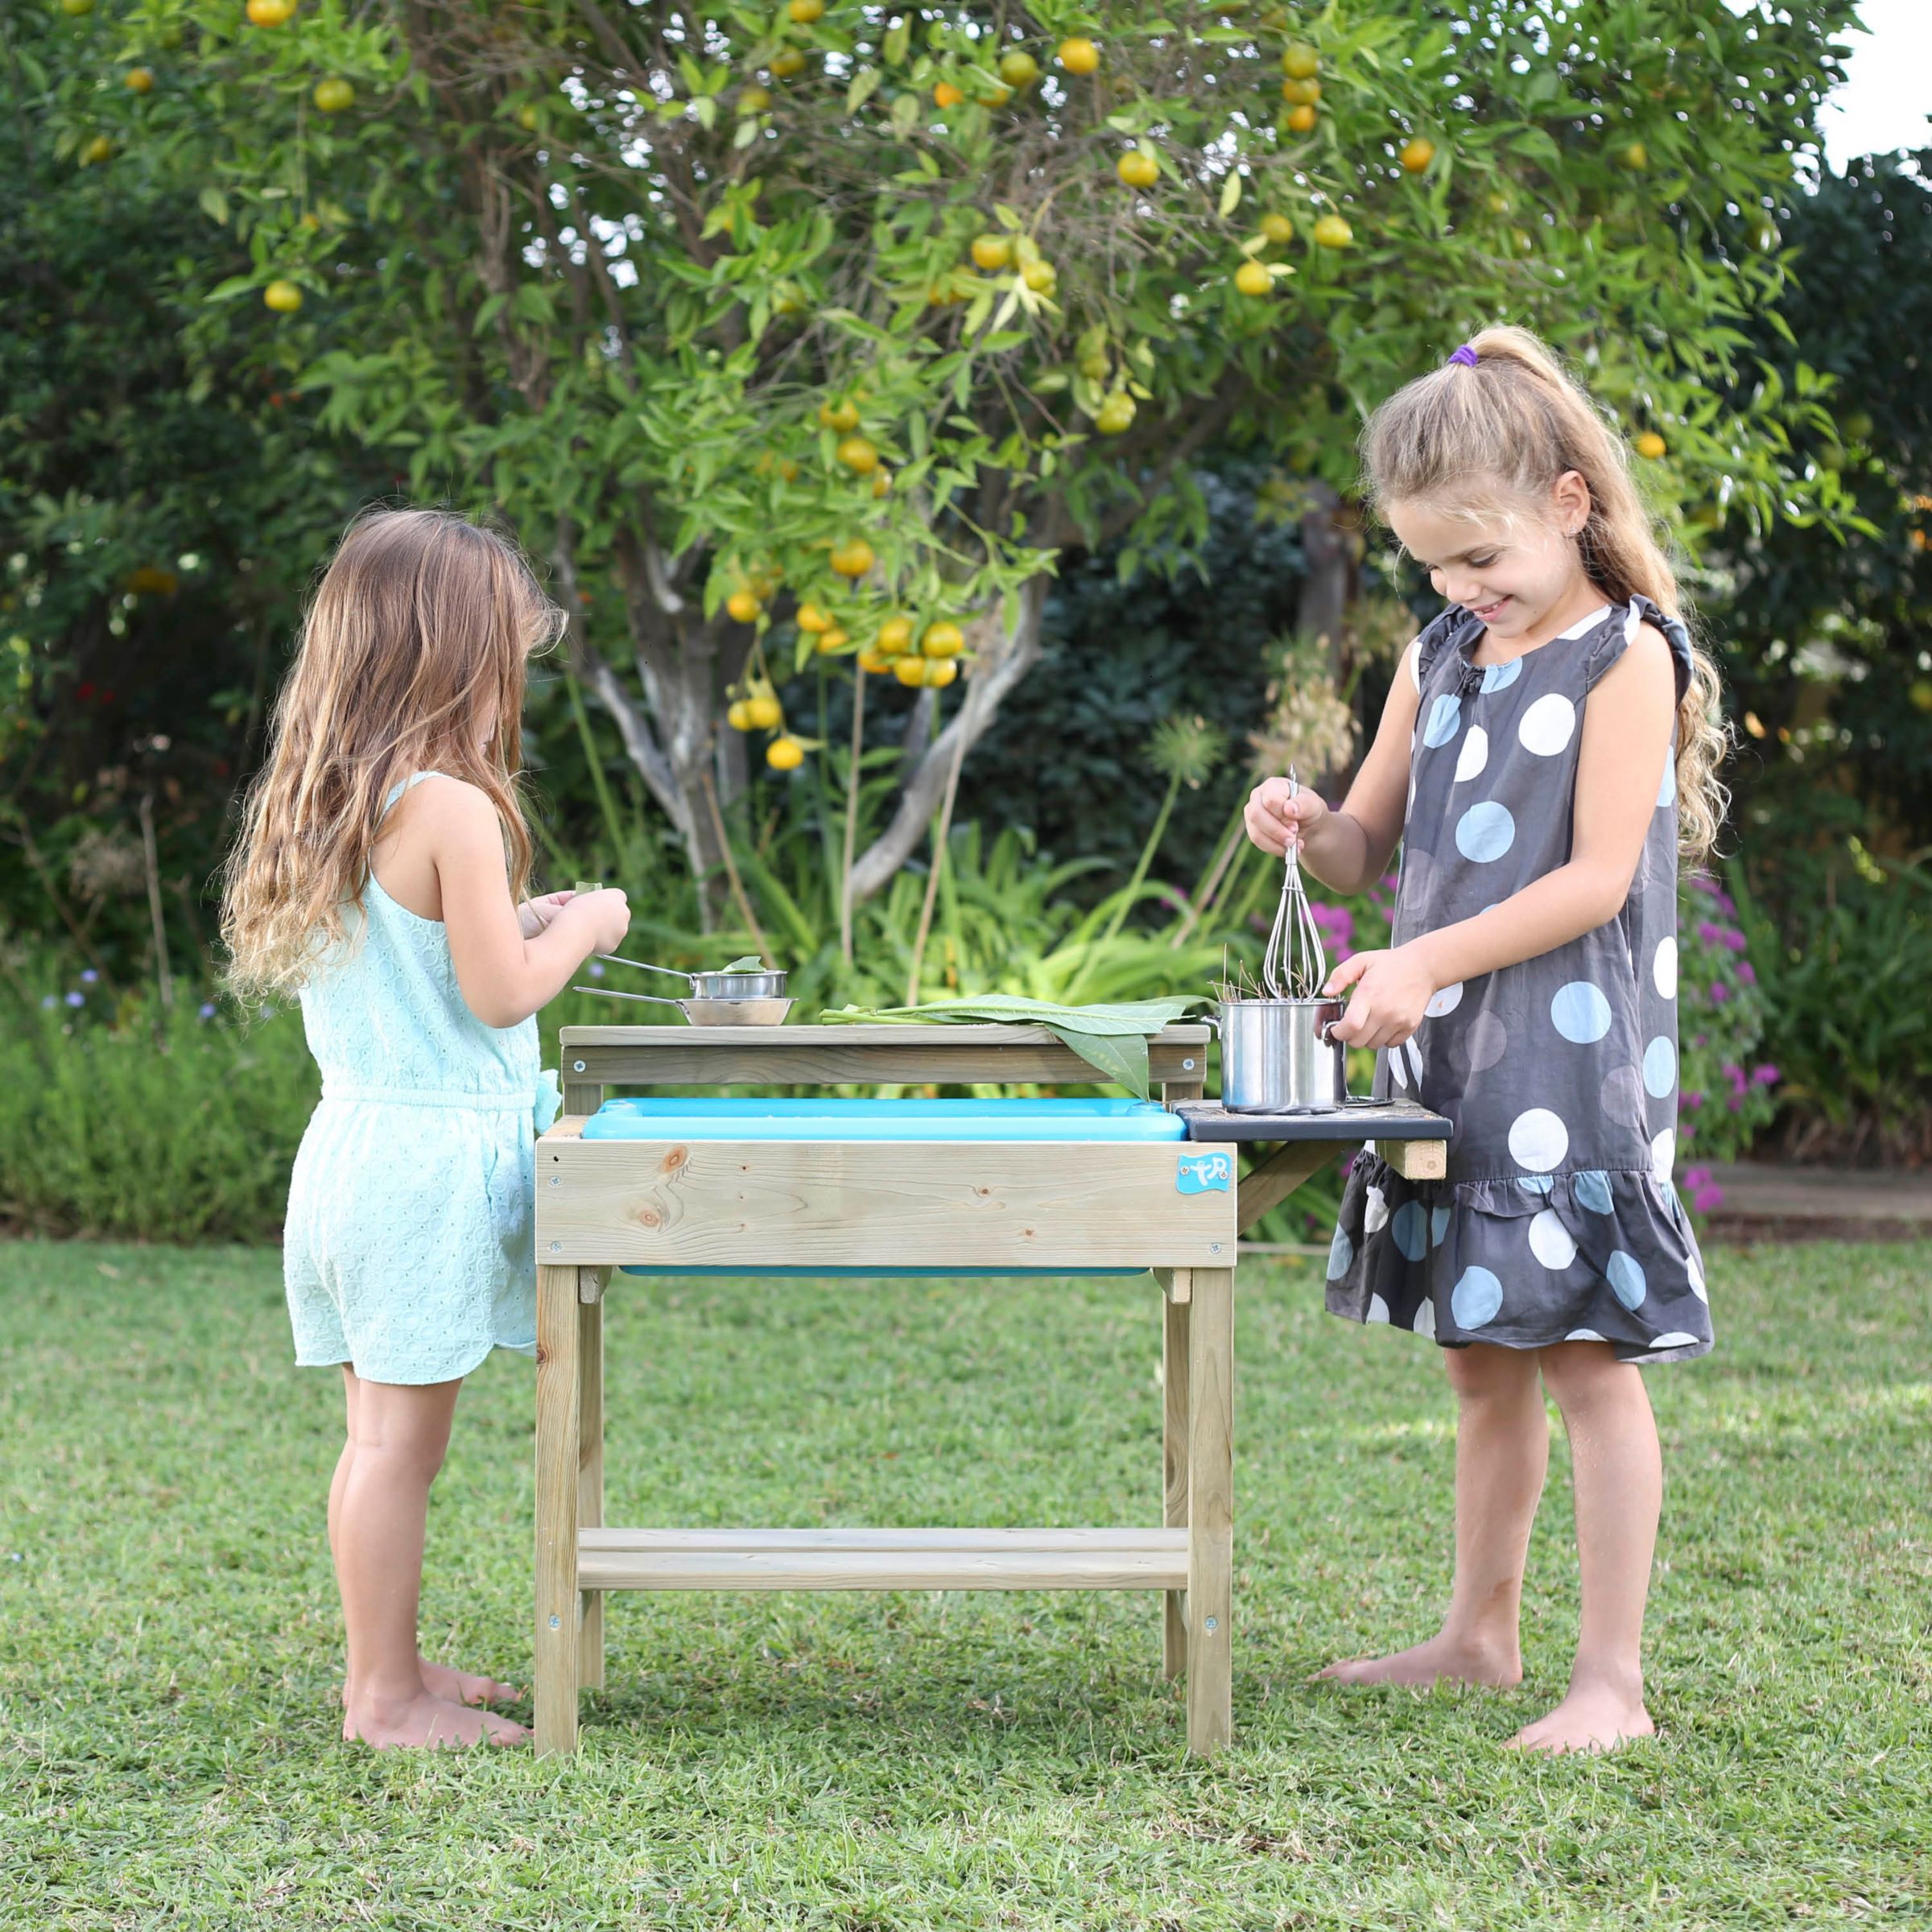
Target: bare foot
1442,1658
1591,1717
427,1722
458,1686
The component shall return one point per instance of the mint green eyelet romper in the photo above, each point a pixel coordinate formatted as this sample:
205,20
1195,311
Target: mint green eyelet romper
408,1250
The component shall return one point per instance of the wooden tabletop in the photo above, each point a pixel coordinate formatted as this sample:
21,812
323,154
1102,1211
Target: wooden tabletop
883,1034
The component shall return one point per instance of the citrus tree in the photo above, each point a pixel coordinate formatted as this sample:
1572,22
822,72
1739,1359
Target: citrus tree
817,329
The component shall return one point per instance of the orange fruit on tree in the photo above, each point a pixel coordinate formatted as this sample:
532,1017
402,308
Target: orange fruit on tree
1018,68
743,606
835,639
1636,157
881,482
765,711
138,81
98,150
947,95
813,620
786,754
853,558
842,416
1040,277
804,12
790,61
1115,414
1650,444
909,669
1253,279
870,660
856,454
527,118
1137,168
895,635
76,8
1000,95
1078,55
738,715
1417,153
1277,228
270,13
282,296
940,672
1301,62
1333,231
944,639
1301,93
333,95
990,252
1302,120
753,100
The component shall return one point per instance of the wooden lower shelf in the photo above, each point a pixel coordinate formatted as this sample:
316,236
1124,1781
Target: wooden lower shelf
883,1559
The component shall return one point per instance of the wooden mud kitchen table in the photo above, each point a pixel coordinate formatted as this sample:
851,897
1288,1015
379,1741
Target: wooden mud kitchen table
1041,1188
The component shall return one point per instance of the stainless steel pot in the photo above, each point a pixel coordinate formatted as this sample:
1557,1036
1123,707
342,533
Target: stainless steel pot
708,1013
1282,1056
768,985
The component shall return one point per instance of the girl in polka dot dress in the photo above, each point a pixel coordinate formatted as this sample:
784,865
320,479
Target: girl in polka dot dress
1548,747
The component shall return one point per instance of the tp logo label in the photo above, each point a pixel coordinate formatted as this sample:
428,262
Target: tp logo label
1205,1172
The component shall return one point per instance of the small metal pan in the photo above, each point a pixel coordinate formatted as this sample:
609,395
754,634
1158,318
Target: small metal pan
767,985
708,1013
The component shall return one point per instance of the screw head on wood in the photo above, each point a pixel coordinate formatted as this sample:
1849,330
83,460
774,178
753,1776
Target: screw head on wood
577,1066
557,1247
556,1623
1186,1066
1211,1623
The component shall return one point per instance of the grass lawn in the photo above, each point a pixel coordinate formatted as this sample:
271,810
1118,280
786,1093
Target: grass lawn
168,1639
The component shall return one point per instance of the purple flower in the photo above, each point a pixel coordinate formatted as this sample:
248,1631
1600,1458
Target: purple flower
1388,881
76,999
1693,1100
1725,902
1709,932
1700,1039
1697,1177
48,1000
597,969
1766,1075
89,977
1734,940
1747,973
1701,883
1707,1198
1720,993
207,1009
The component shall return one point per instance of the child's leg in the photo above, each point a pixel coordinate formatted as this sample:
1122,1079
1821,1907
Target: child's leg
465,1687
398,1434
1502,1449
1620,1484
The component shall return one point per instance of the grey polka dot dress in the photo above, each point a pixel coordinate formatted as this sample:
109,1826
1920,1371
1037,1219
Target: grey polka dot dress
1557,1219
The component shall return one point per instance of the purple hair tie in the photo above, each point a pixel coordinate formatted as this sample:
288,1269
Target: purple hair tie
1466,355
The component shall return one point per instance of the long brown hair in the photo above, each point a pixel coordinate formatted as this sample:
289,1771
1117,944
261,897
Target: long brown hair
1471,440
419,627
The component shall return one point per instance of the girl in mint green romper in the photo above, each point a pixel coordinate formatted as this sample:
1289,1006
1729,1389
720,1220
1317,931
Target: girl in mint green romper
408,1249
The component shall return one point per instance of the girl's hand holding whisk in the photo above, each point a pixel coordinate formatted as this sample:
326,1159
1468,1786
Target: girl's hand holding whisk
1278,813
1393,986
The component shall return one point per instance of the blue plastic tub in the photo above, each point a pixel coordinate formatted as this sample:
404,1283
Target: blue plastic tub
658,1117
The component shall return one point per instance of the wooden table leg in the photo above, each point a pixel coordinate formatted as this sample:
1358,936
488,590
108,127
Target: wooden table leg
558,1434
1210,1510
1174,1372
590,1466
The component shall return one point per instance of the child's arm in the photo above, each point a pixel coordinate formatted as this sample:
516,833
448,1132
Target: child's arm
505,977
1349,849
1626,738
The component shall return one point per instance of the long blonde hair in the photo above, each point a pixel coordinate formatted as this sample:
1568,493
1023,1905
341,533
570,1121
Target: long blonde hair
420,624
1468,441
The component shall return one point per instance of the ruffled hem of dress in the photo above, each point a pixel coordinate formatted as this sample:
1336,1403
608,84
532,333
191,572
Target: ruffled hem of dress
1523,1262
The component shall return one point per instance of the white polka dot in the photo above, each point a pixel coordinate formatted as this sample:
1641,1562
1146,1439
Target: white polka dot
1341,1252
1500,677
1664,971
1580,1012
1485,1042
1443,717
1666,791
1593,1190
1675,1341
1485,832
1394,1056
1589,623
1415,1058
1582,1334
1633,622
1473,756
1375,1213
1378,1309
1425,1318
1410,813
1660,1066
1550,1240
1627,1279
1697,1283
1663,1155
1475,1299
1447,1000
1548,725
1538,1140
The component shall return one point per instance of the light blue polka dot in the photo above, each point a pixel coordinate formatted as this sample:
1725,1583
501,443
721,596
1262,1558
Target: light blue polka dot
1500,677
1485,832
1410,1229
1580,1012
1537,1184
1341,1252
1476,1298
1439,1226
1627,1279
1593,1190
1443,719
1660,1067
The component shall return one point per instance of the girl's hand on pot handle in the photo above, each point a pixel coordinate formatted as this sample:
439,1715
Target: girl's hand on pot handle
1391,989
1273,818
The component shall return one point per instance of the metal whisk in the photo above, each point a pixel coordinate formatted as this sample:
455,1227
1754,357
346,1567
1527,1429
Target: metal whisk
1295,958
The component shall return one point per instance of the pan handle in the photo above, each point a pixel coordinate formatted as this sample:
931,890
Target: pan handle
670,973
611,992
